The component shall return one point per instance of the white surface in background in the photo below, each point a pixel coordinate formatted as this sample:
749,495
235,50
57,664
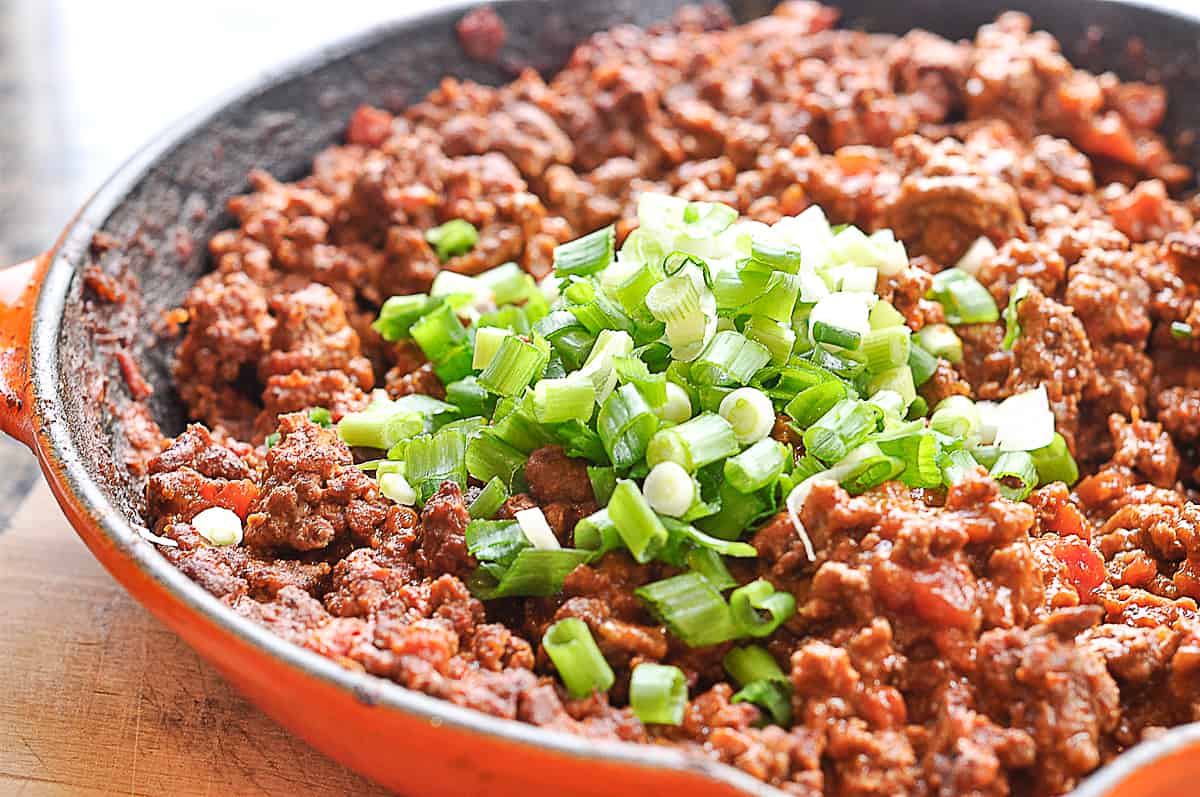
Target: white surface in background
157,60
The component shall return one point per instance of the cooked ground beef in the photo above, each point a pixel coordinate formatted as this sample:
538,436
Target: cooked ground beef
947,642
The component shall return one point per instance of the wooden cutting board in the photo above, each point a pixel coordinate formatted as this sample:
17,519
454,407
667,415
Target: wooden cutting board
98,698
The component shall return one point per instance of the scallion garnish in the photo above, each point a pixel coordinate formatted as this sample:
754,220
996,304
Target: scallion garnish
455,237
691,608
640,528
579,662
1012,321
963,298
664,367
587,255
758,609
658,693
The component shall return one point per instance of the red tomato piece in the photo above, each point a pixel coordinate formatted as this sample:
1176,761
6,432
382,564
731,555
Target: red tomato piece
1085,568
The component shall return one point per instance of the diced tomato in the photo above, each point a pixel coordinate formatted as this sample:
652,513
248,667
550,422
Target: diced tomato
1085,568
236,496
1068,520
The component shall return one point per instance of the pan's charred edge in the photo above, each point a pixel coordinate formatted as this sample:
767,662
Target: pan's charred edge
145,242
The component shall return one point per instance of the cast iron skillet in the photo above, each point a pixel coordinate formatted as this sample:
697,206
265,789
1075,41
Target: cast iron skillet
62,391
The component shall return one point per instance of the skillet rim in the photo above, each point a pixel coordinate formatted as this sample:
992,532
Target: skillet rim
55,448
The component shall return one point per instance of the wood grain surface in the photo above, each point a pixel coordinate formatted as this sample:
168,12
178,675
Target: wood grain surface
98,698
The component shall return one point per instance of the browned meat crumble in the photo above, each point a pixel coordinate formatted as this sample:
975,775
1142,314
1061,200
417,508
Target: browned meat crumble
946,642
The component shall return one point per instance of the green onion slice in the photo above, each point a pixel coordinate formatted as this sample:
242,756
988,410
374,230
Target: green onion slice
658,693
578,659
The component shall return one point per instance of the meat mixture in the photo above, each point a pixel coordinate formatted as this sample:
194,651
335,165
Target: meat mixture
946,641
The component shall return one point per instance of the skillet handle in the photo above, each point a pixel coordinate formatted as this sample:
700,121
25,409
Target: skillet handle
19,287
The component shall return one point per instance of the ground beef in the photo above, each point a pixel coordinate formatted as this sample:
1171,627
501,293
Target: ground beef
947,641
311,491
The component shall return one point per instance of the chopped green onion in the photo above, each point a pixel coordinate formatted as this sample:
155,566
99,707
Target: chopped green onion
488,457
691,608
641,529
779,338
470,397
495,542
959,465
658,693
397,488
569,338
559,400
676,301
537,529
845,310
439,333
752,663
871,472
515,425
603,481
1016,474
321,417
886,348
747,604
957,417
487,343
586,255
708,219
515,365
963,298
841,429
884,315
750,413
919,452
455,237
533,573
218,525
922,364
433,459
1012,321
399,313
899,380
1054,462
738,512
757,466
632,370
775,697
597,533
579,662
678,405
381,424
626,424
693,444
581,442
823,332
729,359
669,489
810,404
490,499
600,364
507,283
781,256
1181,330
709,564
942,341
777,300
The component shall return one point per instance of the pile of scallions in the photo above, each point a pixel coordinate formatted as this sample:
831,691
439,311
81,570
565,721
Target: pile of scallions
666,366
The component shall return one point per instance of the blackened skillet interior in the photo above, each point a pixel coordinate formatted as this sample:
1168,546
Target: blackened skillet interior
165,203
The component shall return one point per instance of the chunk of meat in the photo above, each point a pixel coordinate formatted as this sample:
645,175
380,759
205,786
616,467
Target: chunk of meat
312,494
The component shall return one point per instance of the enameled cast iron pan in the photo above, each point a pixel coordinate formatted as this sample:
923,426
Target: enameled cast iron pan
62,391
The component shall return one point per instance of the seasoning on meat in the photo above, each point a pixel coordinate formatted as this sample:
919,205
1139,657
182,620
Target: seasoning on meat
930,601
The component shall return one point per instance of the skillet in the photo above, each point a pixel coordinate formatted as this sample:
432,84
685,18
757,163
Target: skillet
63,391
